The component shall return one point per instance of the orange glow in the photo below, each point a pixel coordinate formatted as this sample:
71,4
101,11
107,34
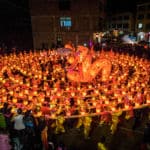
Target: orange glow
89,86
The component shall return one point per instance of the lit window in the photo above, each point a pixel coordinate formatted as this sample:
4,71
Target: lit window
65,22
140,26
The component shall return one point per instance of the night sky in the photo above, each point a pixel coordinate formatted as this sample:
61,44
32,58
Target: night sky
15,24
10,7
121,5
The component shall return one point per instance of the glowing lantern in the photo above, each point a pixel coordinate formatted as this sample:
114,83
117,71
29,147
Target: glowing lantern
119,99
25,102
20,94
113,109
58,94
42,99
35,93
68,113
72,94
53,116
63,79
107,102
3,90
48,93
94,103
3,81
40,76
98,110
78,88
67,89
55,89
14,100
30,97
78,102
137,104
96,91
39,113
84,94
26,92
13,110
28,84
83,113
126,106
71,60
11,92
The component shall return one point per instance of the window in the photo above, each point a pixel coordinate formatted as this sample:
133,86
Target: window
126,17
140,26
148,26
65,22
85,23
101,5
120,18
113,25
59,39
64,4
44,45
148,16
141,8
119,25
114,19
141,16
126,25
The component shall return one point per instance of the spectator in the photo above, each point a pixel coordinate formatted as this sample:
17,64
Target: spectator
43,130
30,124
8,116
2,122
19,126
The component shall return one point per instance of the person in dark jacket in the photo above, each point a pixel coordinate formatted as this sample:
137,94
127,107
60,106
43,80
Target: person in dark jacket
30,127
2,121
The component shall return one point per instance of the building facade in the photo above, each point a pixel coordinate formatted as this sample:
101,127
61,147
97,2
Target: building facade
59,21
15,26
142,26
123,22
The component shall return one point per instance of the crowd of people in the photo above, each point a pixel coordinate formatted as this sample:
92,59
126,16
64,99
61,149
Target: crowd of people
25,131
36,95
